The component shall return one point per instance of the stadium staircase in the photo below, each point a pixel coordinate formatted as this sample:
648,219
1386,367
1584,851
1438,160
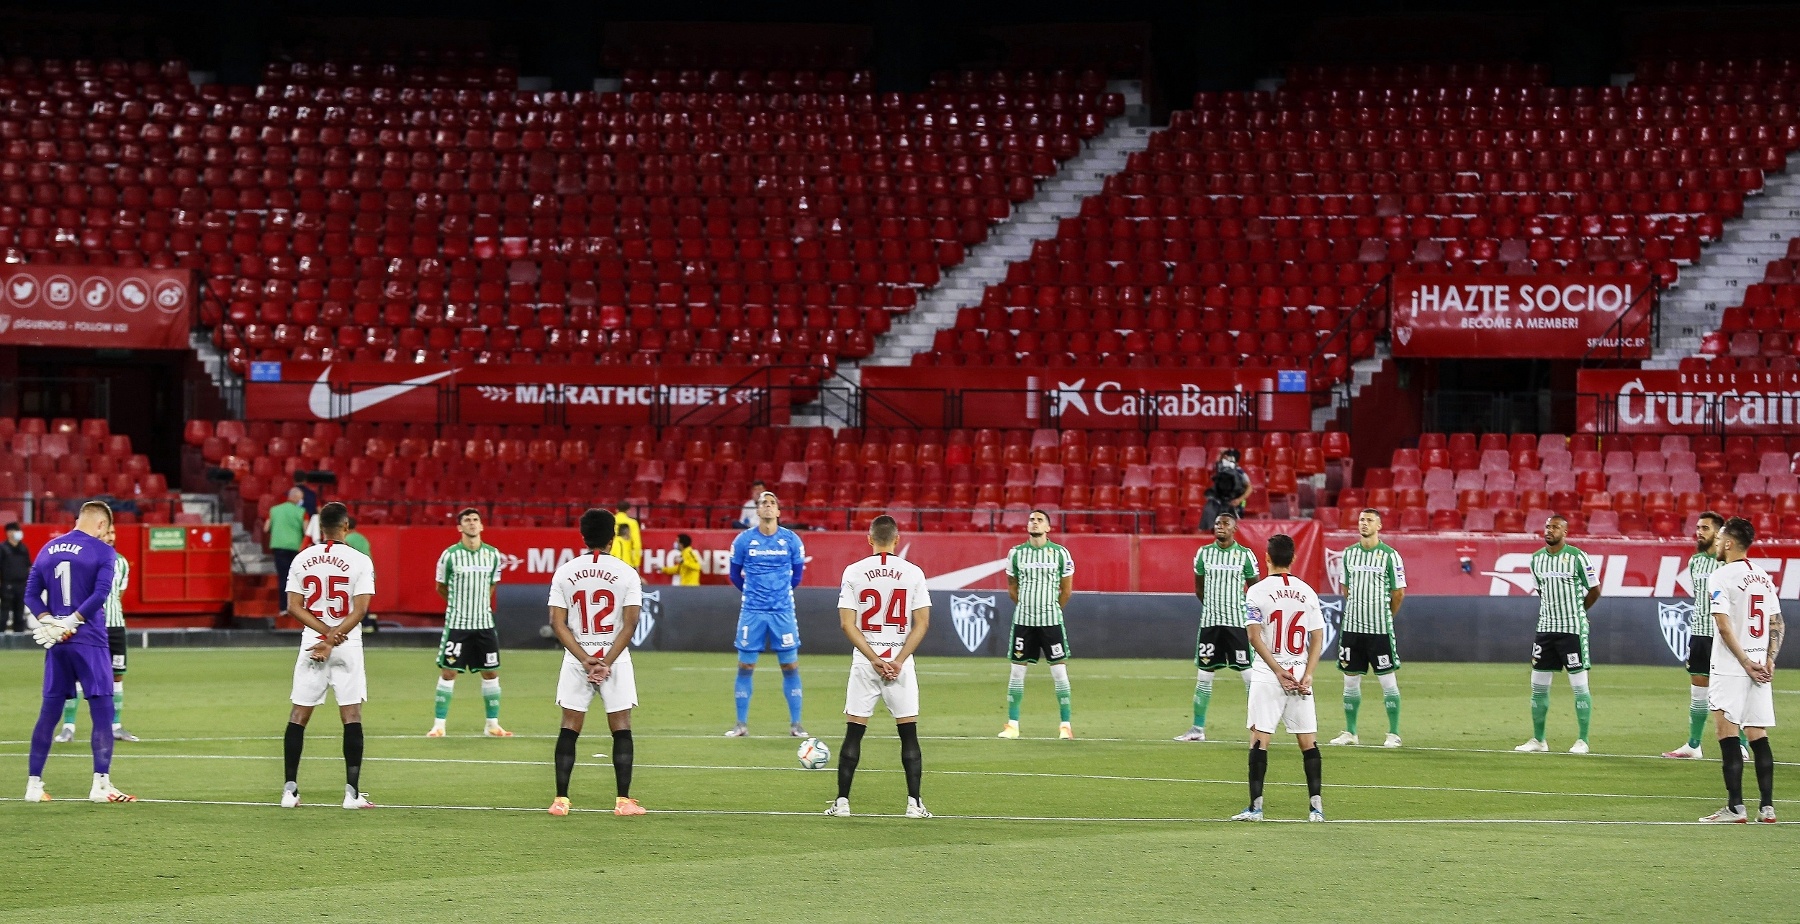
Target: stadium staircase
1720,278
1057,198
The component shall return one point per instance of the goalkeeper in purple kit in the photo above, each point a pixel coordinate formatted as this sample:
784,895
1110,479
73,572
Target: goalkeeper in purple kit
67,591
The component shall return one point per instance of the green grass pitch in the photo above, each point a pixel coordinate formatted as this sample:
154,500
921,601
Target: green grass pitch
1122,823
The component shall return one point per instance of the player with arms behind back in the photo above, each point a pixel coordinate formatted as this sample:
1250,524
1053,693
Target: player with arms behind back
328,589
1704,562
1040,575
1374,585
67,590
1222,569
1746,612
594,600
1287,629
884,609
1567,588
468,575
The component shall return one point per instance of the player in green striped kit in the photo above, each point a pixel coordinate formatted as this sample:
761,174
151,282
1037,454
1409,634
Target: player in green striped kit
1040,576
1374,581
1567,588
1222,571
116,641
468,574
1700,635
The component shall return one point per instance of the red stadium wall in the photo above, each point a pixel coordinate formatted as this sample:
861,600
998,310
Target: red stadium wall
405,556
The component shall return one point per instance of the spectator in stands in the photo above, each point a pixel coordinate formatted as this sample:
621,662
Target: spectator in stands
309,495
286,527
685,564
630,547
1230,489
15,567
749,518
355,539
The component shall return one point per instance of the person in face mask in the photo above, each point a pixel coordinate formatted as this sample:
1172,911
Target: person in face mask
15,566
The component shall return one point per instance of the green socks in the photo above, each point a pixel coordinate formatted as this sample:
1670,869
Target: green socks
1697,712
445,690
1352,704
1202,699
1015,694
69,707
1584,709
1062,696
1392,702
490,697
1540,709
118,703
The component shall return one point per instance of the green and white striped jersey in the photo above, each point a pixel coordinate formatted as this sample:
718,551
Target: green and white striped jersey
470,577
1563,579
115,610
1039,573
1228,571
1370,578
1700,569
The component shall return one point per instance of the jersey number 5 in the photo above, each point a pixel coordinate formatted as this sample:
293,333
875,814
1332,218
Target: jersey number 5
1758,621
1295,639
334,590
595,607
896,615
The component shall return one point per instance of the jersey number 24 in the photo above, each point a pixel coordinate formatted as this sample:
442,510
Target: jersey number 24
873,617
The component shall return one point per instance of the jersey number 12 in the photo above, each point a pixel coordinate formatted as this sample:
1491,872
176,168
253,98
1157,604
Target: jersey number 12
595,607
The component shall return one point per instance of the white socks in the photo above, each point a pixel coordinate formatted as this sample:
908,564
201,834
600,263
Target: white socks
1389,683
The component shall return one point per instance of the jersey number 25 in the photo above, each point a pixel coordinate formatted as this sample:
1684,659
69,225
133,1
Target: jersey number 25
334,590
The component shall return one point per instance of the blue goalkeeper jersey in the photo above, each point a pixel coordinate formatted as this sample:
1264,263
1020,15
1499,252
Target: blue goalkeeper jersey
73,573
770,569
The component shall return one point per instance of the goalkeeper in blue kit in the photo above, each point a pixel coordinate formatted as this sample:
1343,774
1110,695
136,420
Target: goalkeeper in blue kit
767,562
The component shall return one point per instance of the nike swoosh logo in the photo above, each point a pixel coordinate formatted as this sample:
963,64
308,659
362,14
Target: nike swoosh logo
963,577
320,400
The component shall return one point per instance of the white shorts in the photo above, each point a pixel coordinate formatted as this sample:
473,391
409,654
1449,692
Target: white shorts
617,694
900,695
1744,702
1270,704
341,672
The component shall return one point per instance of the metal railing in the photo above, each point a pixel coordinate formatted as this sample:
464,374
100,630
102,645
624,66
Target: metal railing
724,515
1701,413
40,507
1647,324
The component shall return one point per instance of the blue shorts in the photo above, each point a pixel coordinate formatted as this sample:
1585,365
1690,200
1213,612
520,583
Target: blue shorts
759,632
65,665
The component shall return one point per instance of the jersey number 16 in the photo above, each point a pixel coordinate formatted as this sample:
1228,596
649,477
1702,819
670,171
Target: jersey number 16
1294,641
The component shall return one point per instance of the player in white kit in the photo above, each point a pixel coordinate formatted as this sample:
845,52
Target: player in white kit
1746,612
885,609
594,601
328,589
1287,629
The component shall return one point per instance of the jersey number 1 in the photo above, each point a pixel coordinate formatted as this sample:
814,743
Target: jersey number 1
897,613
1295,639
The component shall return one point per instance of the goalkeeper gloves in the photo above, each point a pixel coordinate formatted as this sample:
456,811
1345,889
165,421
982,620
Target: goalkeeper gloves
52,630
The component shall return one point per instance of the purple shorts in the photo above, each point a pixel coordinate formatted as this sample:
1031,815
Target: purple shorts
64,665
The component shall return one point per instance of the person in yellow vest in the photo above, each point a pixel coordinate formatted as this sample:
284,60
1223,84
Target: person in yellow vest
630,546
685,564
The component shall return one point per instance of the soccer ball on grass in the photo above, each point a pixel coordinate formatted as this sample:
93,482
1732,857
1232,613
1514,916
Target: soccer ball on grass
814,755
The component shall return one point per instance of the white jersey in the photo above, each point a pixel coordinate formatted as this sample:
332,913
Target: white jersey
329,577
883,590
1286,611
1747,597
594,588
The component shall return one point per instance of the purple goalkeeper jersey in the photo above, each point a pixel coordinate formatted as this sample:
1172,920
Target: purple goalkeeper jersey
73,573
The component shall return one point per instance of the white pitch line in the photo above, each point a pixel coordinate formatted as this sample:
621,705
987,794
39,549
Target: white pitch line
1105,778
1001,818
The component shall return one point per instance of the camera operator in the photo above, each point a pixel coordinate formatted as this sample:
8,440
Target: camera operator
1230,488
